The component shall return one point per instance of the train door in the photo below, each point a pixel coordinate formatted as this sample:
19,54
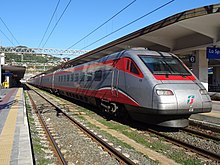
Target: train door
40,80
134,82
111,100
118,79
53,80
115,82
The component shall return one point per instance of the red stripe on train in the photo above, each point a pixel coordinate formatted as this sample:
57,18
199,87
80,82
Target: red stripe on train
174,77
105,93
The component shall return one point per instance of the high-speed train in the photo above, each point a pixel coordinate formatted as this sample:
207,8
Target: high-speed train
151,86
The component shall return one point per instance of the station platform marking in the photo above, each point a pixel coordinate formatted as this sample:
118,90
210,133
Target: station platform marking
7,134
213,114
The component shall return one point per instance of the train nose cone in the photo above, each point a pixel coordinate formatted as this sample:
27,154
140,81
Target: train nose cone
186,99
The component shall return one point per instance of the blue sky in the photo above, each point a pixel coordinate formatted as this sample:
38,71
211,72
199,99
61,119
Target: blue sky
28,19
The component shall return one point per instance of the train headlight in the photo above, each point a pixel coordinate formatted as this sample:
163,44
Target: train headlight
164,92
203,92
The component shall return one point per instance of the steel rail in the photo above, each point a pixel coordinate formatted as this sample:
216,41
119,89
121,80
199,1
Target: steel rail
49,136
112,151
200,134
188,146
204,125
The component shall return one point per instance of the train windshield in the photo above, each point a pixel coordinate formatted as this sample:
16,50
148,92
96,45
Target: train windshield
165,65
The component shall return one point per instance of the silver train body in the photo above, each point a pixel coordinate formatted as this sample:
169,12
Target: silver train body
152,87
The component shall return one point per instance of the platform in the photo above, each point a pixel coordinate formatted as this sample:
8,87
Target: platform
15,147
212,117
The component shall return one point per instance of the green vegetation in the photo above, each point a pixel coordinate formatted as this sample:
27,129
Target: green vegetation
39,154
218,135
27,57
180,157
158,145
10,57
33,62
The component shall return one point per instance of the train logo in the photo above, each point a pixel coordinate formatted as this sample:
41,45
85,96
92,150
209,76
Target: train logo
190,99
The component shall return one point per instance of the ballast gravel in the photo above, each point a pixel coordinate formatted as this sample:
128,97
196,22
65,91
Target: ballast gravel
79,149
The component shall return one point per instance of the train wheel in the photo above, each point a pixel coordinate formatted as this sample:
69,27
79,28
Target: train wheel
108,108
57,93
122,114
113,110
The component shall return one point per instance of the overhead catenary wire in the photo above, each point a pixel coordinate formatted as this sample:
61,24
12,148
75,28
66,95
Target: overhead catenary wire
57,22
7,37
49,23
102,24
9,31
158,8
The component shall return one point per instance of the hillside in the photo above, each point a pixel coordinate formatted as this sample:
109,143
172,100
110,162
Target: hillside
10,57
34,64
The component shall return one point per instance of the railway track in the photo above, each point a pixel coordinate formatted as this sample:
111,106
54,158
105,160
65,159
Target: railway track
194,131
122,159
203,152
204,125
52,141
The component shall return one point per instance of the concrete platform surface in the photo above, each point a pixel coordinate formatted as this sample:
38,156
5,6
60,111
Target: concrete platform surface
15,146
212,117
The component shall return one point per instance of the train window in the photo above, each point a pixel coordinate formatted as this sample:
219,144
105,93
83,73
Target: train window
133,68
89,76
82,76
128,64
64,78
68,78
76,77
72,77
61,78
98,75
165,65
105,74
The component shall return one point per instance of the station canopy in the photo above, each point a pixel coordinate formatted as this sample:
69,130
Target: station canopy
15,71
181,34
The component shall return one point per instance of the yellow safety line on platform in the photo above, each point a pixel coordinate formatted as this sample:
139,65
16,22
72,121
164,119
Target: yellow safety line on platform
7,135
212,114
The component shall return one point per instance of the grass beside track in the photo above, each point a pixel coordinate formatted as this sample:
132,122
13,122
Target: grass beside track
158,145
38,148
